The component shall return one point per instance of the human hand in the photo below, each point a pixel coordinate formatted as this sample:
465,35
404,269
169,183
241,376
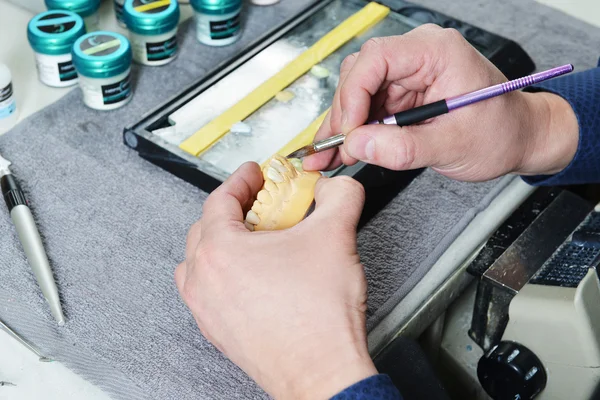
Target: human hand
525,133
288,307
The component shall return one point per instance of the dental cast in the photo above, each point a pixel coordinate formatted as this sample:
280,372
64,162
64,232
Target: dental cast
286,196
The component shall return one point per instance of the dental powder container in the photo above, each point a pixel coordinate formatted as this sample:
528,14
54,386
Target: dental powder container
103,62
86,9
51,34
217,21
152,26
8,105
119,4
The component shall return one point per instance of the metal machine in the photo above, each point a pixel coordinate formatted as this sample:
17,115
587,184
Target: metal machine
537,309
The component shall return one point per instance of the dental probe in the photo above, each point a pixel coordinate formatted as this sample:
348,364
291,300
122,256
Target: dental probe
24,342
30,239
425,112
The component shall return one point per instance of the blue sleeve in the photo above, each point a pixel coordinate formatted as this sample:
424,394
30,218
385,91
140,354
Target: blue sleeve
377,387
582,91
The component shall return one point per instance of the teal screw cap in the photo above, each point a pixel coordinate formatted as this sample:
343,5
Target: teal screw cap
216,7
102,54
54,32
151,17
85,8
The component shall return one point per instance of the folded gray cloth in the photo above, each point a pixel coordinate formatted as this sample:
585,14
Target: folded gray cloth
114,225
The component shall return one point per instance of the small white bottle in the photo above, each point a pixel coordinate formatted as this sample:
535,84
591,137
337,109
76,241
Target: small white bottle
8,105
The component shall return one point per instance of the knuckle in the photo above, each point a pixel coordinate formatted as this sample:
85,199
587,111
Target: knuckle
372,44
193,233
410,151
453,35
403,153
204,254
208,202
351,186
429,28
189,294
348,62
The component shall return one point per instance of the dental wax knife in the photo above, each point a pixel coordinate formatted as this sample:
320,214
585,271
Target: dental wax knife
30,238
423,113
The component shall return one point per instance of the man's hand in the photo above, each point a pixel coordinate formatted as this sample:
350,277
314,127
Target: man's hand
524,133
288,307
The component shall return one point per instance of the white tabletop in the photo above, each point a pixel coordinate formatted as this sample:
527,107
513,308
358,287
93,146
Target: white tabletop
52,381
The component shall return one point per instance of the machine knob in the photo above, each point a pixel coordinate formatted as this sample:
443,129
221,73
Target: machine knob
510,371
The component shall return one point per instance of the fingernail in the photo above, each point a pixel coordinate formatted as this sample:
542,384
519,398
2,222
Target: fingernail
362,147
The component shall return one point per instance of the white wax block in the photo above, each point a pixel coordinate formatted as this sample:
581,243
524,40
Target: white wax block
242,128
241,82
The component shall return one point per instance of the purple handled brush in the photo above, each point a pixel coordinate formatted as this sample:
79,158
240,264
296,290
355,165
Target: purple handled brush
423,113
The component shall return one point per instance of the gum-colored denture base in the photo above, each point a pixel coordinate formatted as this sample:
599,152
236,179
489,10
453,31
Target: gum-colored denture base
356,24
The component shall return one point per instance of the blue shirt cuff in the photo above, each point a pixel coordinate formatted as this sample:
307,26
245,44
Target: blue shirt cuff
376,387
582,91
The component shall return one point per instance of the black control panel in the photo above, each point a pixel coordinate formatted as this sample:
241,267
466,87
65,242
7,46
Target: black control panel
571,262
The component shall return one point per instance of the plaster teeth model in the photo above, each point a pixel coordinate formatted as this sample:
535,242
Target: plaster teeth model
286,196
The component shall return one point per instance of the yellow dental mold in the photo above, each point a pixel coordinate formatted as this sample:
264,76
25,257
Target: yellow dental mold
286,196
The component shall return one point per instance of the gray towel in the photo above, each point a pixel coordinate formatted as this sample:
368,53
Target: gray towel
114,225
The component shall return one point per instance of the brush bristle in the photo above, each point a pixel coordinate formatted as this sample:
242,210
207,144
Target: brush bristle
302,152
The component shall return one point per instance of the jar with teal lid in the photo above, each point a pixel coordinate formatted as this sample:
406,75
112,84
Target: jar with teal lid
217,21
86,9
51,35
103,62
152,26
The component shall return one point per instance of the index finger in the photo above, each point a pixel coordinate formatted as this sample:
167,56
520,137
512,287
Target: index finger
408,59
226,204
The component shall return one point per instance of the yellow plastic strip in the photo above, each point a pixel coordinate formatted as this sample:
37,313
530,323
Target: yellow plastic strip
305,137
152,6
102,47
368,16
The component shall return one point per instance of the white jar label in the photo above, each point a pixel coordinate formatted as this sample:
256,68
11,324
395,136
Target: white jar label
66,71
56,70
116,92
7,102
224,29
161,50
102,97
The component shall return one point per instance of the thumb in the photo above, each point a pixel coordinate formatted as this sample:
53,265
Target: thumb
397,148
341,198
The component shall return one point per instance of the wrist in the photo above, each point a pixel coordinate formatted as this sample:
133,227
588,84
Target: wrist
324,383
322,375
551,130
